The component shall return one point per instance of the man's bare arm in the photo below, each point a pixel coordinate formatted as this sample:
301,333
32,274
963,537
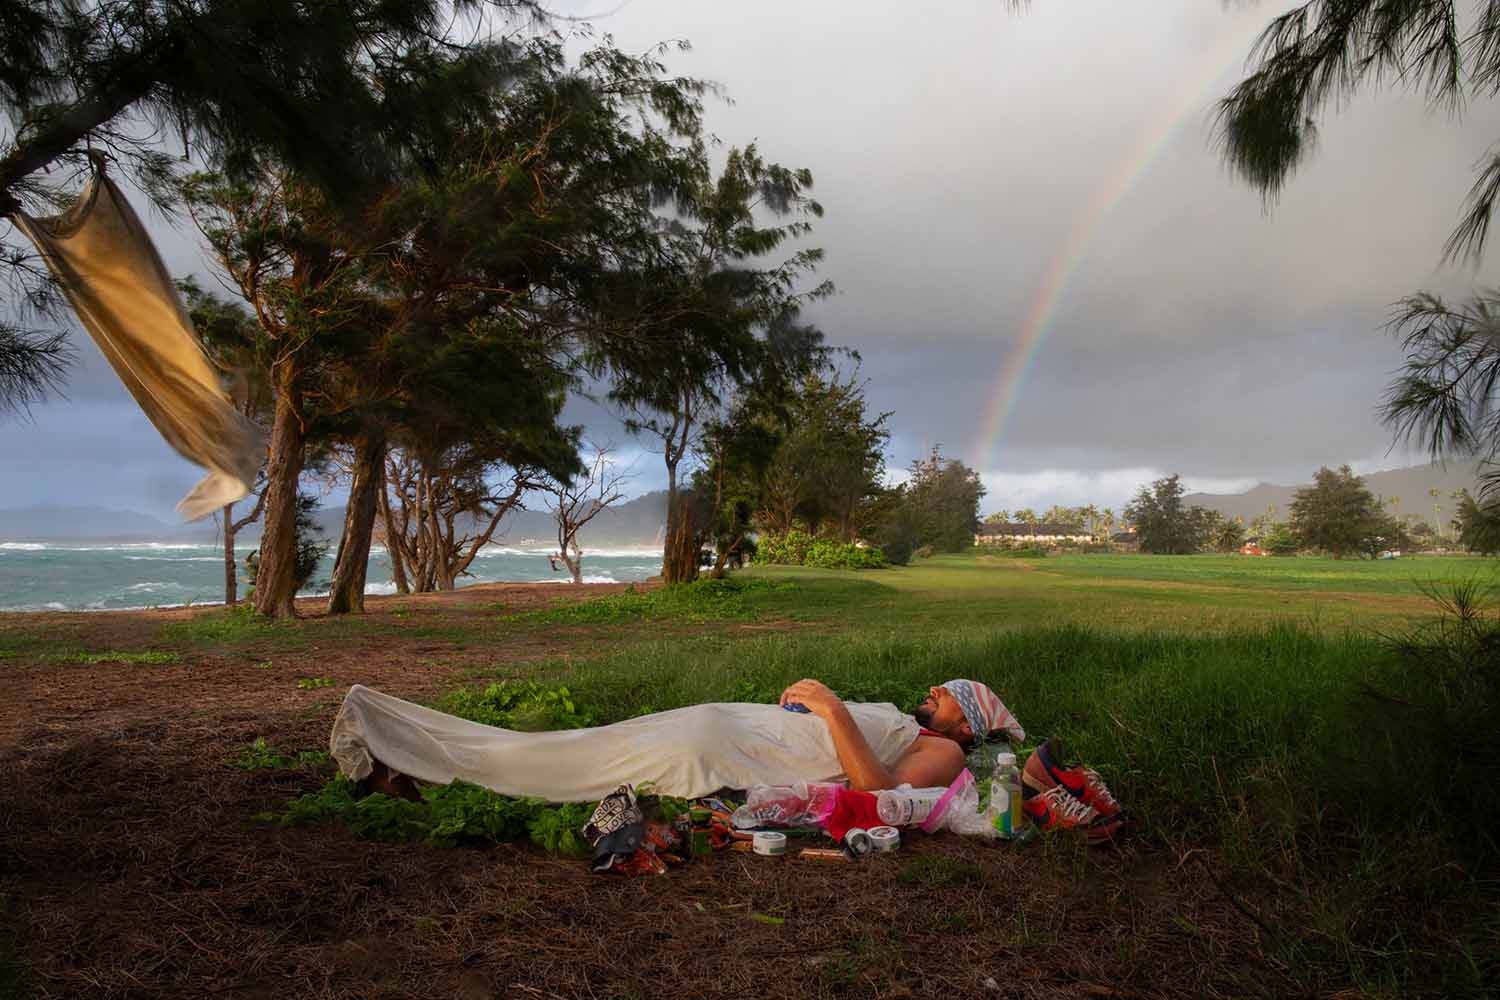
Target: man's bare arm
928,764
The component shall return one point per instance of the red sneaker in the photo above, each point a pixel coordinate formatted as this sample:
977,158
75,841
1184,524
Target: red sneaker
1056,809
1045,770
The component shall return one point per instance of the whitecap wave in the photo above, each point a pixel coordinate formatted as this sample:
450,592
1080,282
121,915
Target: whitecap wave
23,547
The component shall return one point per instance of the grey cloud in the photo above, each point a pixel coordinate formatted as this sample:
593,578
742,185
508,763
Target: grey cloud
957,152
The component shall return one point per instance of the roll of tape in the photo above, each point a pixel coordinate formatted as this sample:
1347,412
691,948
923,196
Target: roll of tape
857,842
769,842
884,838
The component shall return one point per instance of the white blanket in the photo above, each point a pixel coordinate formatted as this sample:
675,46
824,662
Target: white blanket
687,752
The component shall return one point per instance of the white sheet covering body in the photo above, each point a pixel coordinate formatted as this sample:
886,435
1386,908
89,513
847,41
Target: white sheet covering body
687,752
109,269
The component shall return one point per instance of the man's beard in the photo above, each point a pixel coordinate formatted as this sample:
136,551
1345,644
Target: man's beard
923,715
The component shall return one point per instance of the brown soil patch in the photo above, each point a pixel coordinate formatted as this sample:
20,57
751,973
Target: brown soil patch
130,864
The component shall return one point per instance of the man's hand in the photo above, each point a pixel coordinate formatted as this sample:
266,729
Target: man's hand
820,701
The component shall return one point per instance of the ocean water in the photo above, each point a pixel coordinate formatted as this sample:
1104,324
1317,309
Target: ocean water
99,576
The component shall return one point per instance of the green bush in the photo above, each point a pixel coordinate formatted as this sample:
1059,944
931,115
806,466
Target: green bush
789,549
525,706
797,548
1022,552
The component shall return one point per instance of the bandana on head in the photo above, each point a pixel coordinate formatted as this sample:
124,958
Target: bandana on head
984,710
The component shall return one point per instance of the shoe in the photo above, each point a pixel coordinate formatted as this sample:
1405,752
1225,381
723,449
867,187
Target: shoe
1057,809
1045,771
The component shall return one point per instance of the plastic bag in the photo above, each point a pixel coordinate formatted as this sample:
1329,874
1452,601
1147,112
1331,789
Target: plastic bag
807,803
958,811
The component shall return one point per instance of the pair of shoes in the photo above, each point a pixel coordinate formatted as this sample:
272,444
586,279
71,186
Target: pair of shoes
1045,770
1057,797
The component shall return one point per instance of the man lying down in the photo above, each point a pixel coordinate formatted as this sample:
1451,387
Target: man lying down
385,742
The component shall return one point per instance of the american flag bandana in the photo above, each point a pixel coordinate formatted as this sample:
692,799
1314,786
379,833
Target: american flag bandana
984,710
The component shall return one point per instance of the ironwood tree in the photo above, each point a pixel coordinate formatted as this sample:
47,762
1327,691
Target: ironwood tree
1339,515
334,90
465,298
1318,56
734,316
1164,525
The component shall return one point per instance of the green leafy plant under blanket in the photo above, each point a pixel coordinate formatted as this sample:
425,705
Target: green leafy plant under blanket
448,815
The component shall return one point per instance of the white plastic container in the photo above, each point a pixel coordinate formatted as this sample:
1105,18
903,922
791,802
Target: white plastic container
906,806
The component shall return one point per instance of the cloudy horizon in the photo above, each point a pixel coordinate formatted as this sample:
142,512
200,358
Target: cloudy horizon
1040,257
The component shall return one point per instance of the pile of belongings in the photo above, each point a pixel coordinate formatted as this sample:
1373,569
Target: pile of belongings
630,835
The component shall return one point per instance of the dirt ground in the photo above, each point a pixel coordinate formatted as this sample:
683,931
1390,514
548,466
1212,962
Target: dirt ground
130,864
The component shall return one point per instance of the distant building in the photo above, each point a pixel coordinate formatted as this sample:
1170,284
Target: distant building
1128,540
1043,533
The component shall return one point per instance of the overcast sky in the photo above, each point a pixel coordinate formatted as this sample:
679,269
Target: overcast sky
965,154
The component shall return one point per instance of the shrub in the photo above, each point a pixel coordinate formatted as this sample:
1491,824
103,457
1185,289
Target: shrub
844,555
797,548
789,549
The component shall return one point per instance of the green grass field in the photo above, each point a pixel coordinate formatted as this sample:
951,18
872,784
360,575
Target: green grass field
1299,727
1251,708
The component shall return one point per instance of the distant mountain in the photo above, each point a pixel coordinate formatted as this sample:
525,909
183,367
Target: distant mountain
1408,487
46,523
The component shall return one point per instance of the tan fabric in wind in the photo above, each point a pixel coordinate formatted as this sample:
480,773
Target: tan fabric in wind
687,752
111,273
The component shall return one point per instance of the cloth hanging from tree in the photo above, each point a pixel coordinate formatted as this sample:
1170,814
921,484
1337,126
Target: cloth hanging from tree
115,280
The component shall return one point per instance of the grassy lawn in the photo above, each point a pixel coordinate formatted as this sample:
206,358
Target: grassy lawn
1313,803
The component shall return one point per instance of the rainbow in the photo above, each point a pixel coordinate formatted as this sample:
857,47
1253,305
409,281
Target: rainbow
1067,261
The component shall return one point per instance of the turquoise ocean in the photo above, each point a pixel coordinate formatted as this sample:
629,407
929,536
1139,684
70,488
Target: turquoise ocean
104,576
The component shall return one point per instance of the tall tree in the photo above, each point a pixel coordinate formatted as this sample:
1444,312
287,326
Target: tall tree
735,314
945,494
1338,514
325,88
1478,524
829,464
1164,525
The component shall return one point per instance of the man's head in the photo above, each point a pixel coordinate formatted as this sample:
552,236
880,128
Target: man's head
967,711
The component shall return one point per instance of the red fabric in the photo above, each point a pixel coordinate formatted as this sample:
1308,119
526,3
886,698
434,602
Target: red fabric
924,731
851,809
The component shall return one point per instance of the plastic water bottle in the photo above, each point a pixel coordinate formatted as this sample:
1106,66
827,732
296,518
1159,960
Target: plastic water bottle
1005,796
906,806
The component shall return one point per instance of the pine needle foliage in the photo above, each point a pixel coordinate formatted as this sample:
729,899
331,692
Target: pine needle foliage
1322,53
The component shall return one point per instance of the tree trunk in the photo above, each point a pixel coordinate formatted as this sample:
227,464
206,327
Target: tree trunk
681,562
231,581
672,520
276,571
393,543
350,567
574,561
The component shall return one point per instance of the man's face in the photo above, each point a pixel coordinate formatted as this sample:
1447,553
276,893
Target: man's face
941,712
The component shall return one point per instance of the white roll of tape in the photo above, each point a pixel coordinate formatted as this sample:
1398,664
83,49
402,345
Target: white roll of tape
884,838
769,842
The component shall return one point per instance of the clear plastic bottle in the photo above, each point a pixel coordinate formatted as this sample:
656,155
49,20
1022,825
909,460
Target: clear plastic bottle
1005,796
905,805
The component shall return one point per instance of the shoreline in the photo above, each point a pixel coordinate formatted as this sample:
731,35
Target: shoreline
312,605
